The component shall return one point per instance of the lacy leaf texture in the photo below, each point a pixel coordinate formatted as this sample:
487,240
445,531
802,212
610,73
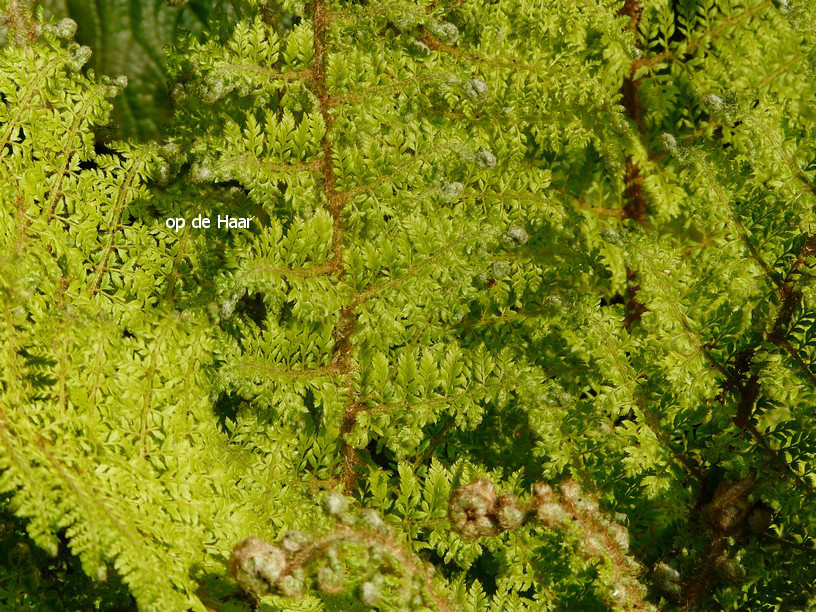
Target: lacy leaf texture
524,318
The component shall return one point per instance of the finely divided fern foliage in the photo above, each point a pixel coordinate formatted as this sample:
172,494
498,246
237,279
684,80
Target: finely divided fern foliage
524,318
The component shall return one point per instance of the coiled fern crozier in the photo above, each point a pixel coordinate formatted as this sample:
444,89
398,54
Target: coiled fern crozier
523,317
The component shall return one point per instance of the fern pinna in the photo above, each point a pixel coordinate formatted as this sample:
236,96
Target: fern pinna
523,320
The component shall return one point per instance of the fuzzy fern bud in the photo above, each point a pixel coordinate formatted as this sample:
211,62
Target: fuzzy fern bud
65,28
294,540
162,173
517,236
405,21
714,104
669,143
450,192
446,31
484,158
612,237
257,565
179,94
633,51
201,172
500,269
115,86
212,90
330,580
508,512
470,510
371,591
476,511
293,585
475,89
80,56
548,511
227,306
335,503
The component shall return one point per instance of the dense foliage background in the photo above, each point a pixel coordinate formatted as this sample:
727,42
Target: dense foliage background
524,320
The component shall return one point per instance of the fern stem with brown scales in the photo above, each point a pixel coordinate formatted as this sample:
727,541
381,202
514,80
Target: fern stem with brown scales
634,198
18,17
334,204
